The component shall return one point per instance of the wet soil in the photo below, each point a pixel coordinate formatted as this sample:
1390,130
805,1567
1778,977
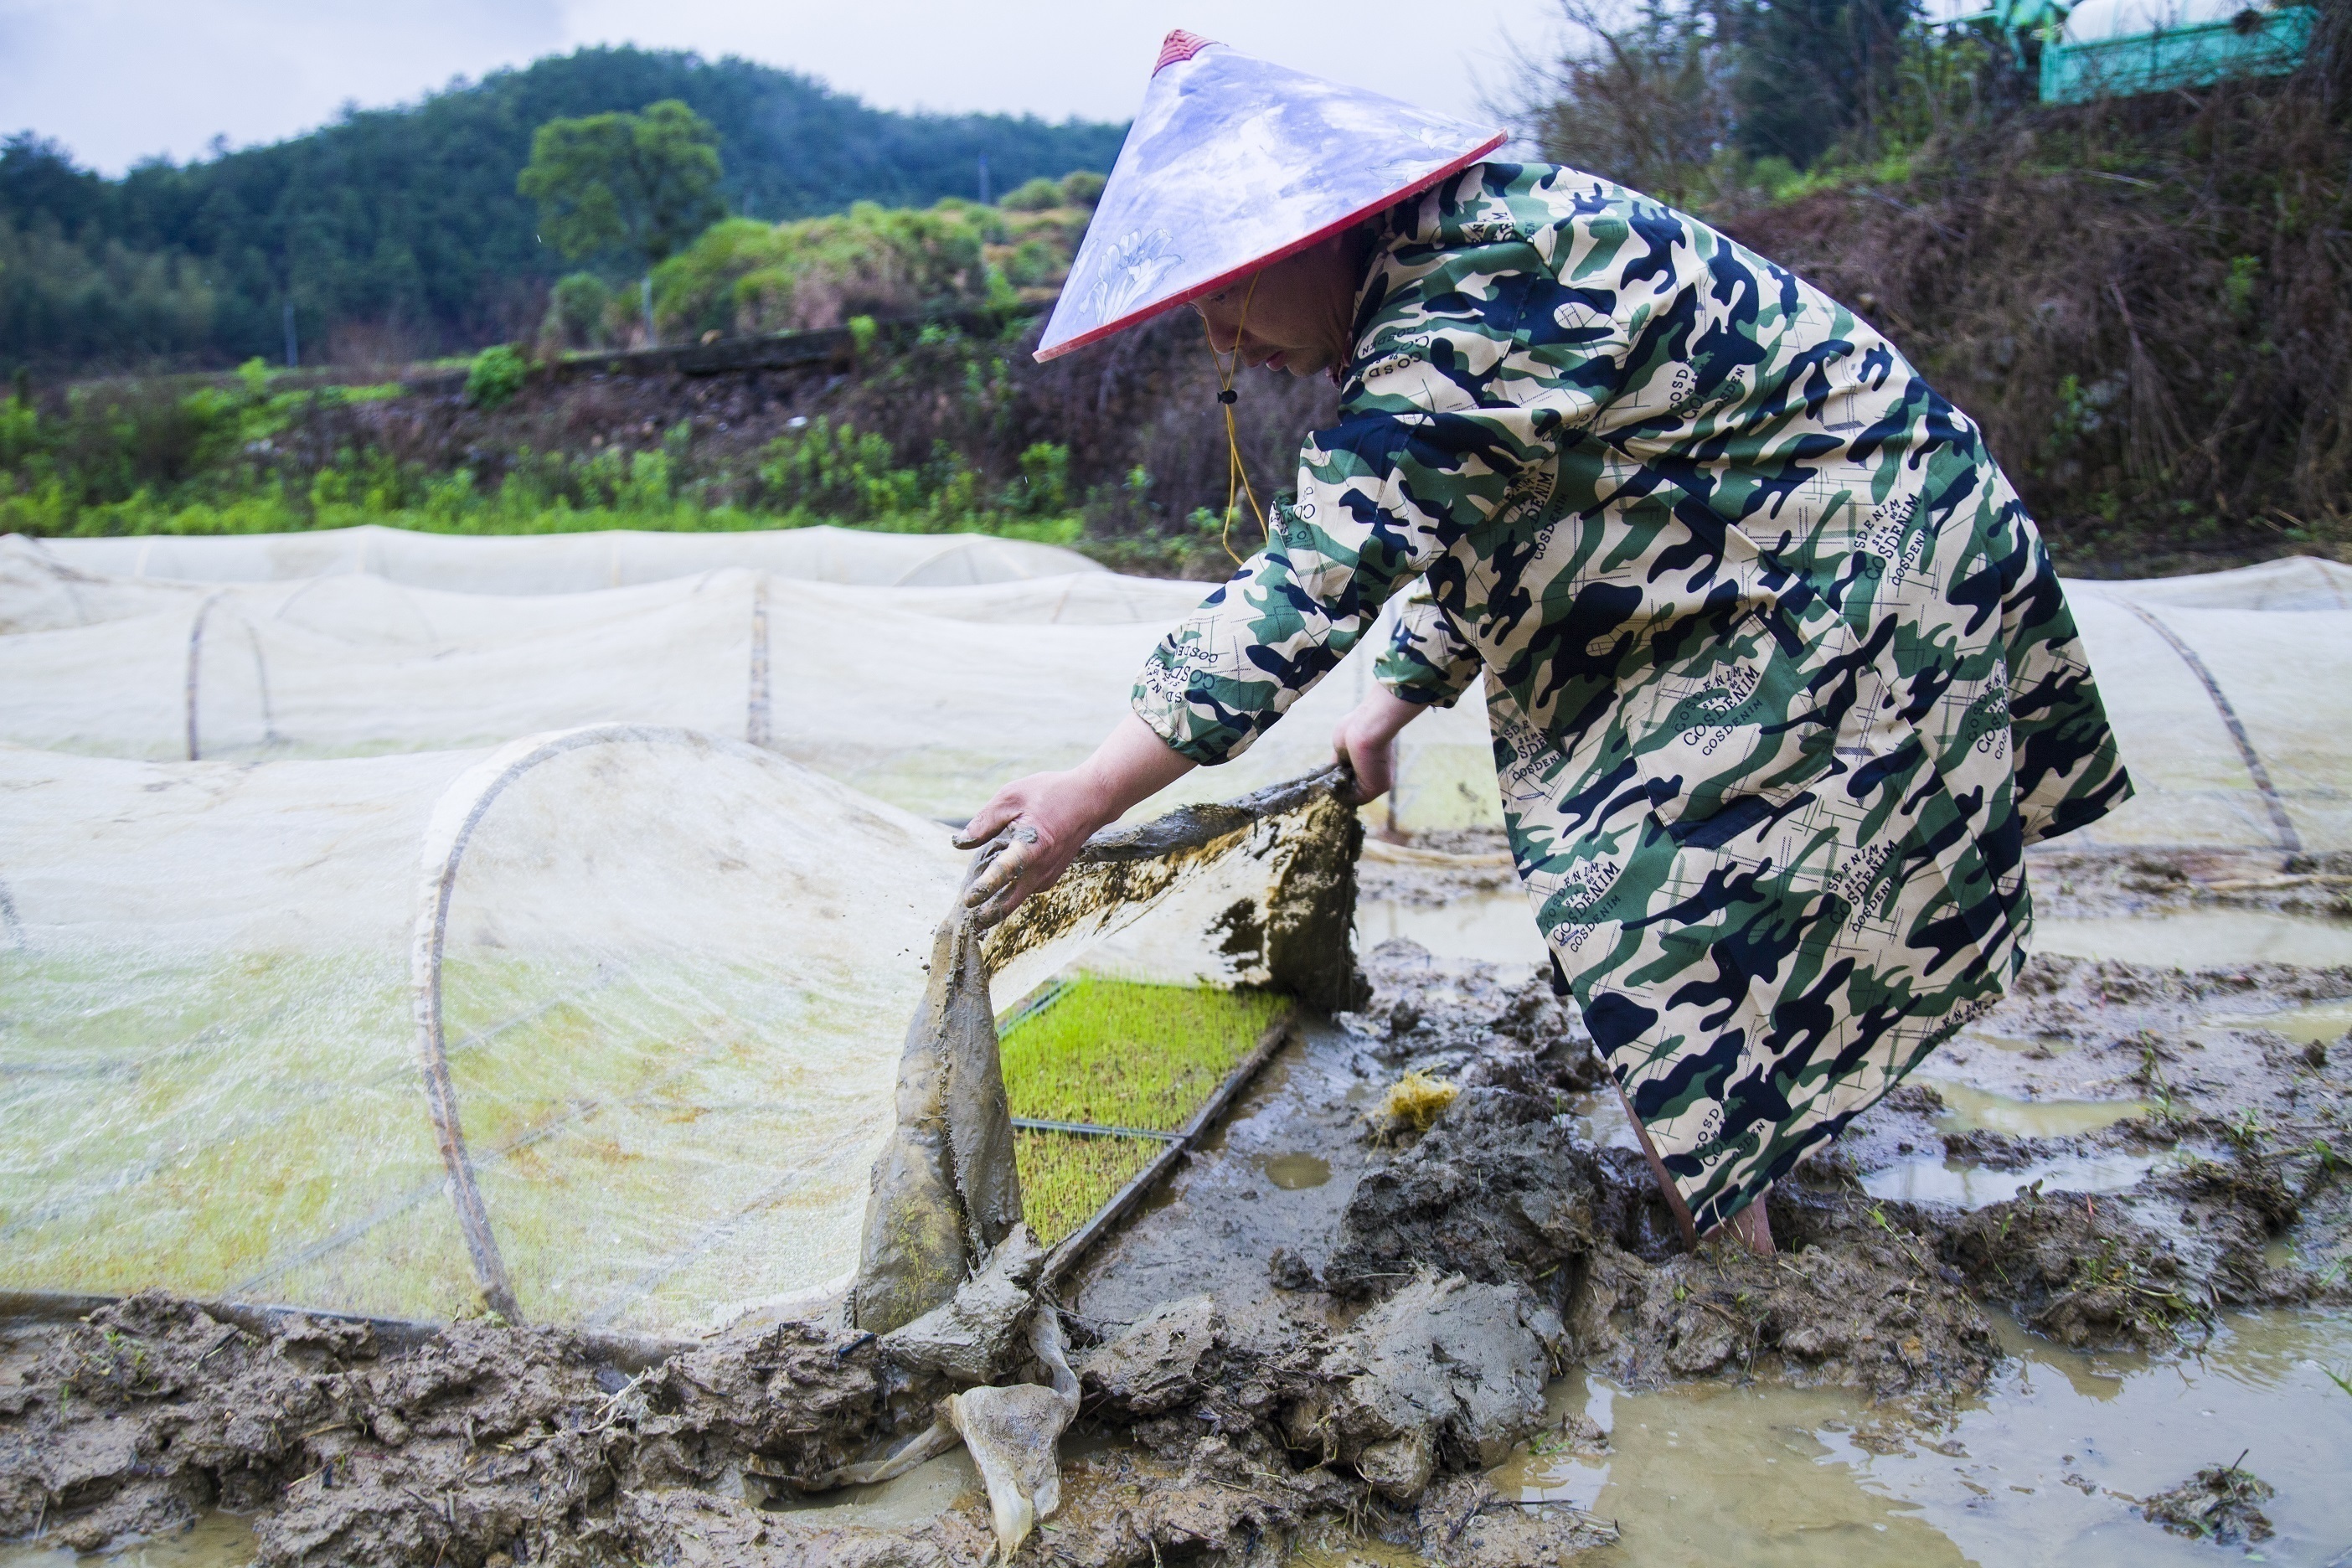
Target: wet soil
1331,1326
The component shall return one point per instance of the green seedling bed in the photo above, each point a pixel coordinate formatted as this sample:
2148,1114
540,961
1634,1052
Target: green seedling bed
1114,1053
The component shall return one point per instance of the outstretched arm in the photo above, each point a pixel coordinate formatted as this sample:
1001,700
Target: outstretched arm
1052,816
1366,739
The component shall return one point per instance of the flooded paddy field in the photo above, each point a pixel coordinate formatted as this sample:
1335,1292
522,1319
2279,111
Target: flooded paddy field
2083,1277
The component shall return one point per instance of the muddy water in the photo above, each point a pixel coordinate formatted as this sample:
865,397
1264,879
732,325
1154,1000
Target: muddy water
1714,1473
1967,1108
2201,939
1297,1173
1939,1179
1499,928
2327,1021
218,1541
1495,928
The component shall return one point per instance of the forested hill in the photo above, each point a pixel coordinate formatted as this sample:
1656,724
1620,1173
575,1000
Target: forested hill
398,232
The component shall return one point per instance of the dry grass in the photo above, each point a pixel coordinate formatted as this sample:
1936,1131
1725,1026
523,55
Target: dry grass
2145,303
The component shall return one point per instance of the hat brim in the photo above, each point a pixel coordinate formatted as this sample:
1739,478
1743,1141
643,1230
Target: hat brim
1142,313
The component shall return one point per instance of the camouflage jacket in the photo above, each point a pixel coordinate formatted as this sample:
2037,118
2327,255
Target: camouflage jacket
1780,677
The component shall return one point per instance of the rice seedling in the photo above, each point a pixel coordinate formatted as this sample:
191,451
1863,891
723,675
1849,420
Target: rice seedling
1115,1054
1118,1054
1067,1176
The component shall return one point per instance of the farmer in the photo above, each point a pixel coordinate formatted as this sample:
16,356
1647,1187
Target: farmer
1781,679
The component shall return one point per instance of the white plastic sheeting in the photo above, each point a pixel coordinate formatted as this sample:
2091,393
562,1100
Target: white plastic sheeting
655,984
2290,583
570,562
2236,725
601,1027
928,697
2227,689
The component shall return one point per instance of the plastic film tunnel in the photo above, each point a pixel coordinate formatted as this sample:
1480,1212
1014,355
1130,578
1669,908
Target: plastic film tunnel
925,697
603,1025
575,950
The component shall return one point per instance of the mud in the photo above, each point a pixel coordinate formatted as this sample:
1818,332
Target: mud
2220,1503
1332,1327
483,1441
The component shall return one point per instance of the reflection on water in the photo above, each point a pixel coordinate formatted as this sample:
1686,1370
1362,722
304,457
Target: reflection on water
1715,1474
923,1493
1495,928
2324,1021
2201,939
1297,1173
1601,1118
1930,1178
1709,1474
1967,1108
1499,928
218,1541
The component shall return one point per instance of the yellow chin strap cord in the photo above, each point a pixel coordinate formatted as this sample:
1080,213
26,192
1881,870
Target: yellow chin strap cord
1236,471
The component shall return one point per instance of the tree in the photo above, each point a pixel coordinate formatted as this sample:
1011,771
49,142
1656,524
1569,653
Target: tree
1640,96
645,185
1812,71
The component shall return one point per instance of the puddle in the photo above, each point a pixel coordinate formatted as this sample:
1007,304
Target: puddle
1295,1172
2323,1021
1601,1118
1967,1108
217,1541
922,1494
1930,1178
1711,1474
1492,927
1499,928
2200,939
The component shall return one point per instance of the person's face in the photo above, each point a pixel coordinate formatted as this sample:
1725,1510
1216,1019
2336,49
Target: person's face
1295,316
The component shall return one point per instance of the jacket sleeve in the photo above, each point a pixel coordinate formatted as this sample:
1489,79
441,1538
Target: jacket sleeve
1428,659
1380,496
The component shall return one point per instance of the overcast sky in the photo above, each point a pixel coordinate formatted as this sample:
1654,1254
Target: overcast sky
119,80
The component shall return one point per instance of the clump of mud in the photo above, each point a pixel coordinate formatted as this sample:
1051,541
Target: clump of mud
1473,1025
2108,882
2220,1503
483,1441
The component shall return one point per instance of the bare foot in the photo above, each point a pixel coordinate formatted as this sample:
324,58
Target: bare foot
1751,1227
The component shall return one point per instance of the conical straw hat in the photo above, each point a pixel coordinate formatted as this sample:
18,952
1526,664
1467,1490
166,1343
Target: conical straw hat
1232,164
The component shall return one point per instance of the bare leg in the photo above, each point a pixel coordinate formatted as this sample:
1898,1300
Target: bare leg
1658,1170
1749,1227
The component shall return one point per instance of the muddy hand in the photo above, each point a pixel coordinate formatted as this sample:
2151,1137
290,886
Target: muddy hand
1027,835
1001,875
1034,827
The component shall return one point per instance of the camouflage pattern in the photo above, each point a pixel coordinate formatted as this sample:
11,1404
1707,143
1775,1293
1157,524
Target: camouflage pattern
1781,679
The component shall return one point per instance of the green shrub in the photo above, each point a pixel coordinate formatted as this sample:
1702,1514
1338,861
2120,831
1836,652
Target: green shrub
1082,188
1037,195
576,308
748,277
498,374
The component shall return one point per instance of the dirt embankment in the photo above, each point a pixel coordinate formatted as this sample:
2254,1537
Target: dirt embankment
1265,1353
